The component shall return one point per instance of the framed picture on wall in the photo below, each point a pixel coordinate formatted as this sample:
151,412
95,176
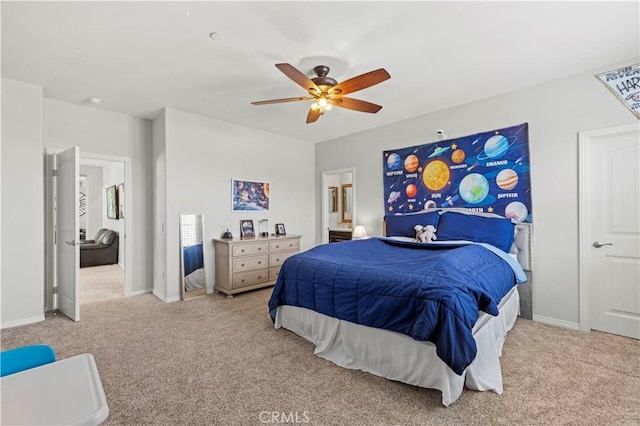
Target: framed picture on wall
249,195
121,201
112,202
246,229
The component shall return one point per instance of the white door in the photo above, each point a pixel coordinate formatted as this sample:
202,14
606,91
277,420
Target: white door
67,231
610,244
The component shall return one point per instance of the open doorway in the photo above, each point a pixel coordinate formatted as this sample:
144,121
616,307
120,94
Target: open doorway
102,229
62,270
338,203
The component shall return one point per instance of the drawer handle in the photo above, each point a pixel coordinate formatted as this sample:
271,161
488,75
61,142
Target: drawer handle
242,264
278,260
277,246
259,277
241,281
260,262
242,251
259,248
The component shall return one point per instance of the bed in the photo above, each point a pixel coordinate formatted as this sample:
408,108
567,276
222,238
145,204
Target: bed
392,307
193,259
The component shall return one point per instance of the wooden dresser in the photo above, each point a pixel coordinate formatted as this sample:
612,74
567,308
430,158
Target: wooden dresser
247,264
336,235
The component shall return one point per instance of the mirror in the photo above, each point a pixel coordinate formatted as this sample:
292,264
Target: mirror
333,199
193,280
347,203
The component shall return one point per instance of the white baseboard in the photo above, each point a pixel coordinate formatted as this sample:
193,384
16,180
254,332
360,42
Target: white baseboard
556,322
22,321
138,292
166,299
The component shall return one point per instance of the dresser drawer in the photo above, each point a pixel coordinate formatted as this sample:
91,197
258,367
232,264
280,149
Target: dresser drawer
276,259
249,249
284,245
250,278
249,263
273,273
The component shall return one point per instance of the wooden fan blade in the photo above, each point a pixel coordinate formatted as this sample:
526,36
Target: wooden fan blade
355,104
278,101
297,76
360,82
313,115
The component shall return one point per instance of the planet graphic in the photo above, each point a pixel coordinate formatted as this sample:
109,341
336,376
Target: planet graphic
496,146
457,156
411,163
474,188
516,211
411,191
436,175
439,151
430,204
394,161
507,179
393,197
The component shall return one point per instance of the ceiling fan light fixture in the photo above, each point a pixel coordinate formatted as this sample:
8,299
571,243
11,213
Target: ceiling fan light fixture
326,91
323,103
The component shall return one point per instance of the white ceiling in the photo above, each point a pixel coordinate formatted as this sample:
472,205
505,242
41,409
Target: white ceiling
143,56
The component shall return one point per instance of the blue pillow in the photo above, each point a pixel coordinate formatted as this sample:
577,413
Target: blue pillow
491,230
402,225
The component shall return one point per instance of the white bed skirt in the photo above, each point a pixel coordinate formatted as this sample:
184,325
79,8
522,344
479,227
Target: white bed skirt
398,357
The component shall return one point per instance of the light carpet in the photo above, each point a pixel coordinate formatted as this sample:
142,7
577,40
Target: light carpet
219,361
99,283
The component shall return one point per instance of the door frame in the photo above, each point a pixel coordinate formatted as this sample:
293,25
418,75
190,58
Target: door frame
129,256
584,140
324,233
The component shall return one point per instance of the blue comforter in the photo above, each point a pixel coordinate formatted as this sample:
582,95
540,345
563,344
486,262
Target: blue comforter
429,292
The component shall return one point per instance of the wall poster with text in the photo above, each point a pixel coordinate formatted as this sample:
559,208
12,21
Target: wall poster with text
486,172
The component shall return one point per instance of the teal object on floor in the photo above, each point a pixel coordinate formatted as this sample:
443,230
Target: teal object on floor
20,359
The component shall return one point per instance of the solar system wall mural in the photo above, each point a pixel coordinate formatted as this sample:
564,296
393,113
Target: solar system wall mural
485,172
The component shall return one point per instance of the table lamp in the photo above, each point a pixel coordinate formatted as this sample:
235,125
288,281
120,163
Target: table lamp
359,232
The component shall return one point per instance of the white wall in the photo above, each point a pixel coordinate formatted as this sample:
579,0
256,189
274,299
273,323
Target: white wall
203,155
159,206
22,189
556,112
113,175
98,131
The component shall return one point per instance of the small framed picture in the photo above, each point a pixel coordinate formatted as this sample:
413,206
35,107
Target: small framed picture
280,229
112,202
246,229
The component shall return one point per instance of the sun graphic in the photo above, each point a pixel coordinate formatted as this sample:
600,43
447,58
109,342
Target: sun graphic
436,175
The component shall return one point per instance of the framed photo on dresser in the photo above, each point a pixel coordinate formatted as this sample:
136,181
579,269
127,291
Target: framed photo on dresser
246,229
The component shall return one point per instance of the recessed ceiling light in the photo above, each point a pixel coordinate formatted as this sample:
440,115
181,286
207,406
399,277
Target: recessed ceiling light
215,36
94,100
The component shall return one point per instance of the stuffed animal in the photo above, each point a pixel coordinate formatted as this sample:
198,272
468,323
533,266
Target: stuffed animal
425,234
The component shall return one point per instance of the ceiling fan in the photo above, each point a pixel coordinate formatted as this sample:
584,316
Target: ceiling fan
326,91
